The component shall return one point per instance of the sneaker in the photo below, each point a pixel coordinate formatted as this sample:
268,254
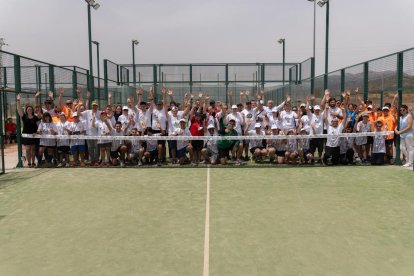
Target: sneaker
60,165
140,163
407,165
122,164
239,162
67,165
159,163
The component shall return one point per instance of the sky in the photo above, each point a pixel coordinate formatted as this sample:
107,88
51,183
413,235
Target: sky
195,31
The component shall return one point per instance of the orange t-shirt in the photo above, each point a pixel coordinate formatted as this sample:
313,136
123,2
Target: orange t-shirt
389,125
68,112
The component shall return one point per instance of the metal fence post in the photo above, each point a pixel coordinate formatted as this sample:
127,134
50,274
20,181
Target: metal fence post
227,83
52,79
312,75
18,89
154,68
191,78
74,83
106,79
400,74
342,83
366,81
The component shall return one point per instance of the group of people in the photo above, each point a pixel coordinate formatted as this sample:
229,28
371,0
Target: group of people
202,117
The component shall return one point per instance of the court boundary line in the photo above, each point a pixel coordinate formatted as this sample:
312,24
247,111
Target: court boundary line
207,229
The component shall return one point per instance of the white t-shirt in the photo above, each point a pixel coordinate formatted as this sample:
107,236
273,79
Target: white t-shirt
334,140
62,130
141,120
211,144
103,130
333,110
76,129
318,121
182,132
239,120
87,117
288,119
249,117
361,128
151,144
117,142
136,145
174,122
256,142
292,145
159,119
345,144
46,129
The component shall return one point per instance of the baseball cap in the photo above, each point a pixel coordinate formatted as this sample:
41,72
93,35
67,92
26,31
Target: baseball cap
302,105
210,126
303,129
274,126
257,125
385,108
365,114
125,107
104,113
274,109
370,106
75,114
317,107
182,120
233,106
94,103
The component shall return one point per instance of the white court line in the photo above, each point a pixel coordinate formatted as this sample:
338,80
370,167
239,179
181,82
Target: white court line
207,229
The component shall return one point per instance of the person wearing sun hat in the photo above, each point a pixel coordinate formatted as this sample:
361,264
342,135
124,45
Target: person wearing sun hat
257,148
210,151
77,146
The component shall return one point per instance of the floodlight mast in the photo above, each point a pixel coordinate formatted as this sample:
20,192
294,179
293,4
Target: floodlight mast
321,4
134,42
95,5
282,41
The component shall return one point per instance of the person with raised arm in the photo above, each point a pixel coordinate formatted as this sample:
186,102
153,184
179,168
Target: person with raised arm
104,128
159,122
332,150
67,108
77,146
47,127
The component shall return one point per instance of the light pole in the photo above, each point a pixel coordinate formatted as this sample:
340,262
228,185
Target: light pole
282,41
93,4
314,25
134,42
321,4
99,75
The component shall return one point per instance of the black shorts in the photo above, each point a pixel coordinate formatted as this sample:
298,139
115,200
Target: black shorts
389,142
160,142
197,144
223,153
30,141
377,158
370,140
114,154
63,150
280,153
316,144
252,150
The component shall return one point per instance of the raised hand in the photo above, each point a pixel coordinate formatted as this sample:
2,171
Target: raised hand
207,97
61,90
37,94
88,94
357,90
164,90
327,93
78,91
312,98
19,97
288,98
50,94
170,92
241,93
200,95
247,93
109,95
348,93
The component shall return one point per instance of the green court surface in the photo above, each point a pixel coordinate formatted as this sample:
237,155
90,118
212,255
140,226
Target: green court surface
262,221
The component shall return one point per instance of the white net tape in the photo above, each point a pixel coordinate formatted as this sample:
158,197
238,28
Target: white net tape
205,138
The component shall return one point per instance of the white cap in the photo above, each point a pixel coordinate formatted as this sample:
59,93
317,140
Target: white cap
385,108
257,125
316,107
302,105
303,129
125,107
182,120
274,109
274,126
370,106
233,106
75,114
210,126
261,102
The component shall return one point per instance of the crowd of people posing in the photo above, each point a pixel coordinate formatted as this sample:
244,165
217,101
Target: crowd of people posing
200,116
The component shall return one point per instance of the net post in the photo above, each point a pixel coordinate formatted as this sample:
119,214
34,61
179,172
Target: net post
400,72
18,89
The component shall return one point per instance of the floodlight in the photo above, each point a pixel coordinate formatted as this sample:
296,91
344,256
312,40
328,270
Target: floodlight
96,6
136,42
322,3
